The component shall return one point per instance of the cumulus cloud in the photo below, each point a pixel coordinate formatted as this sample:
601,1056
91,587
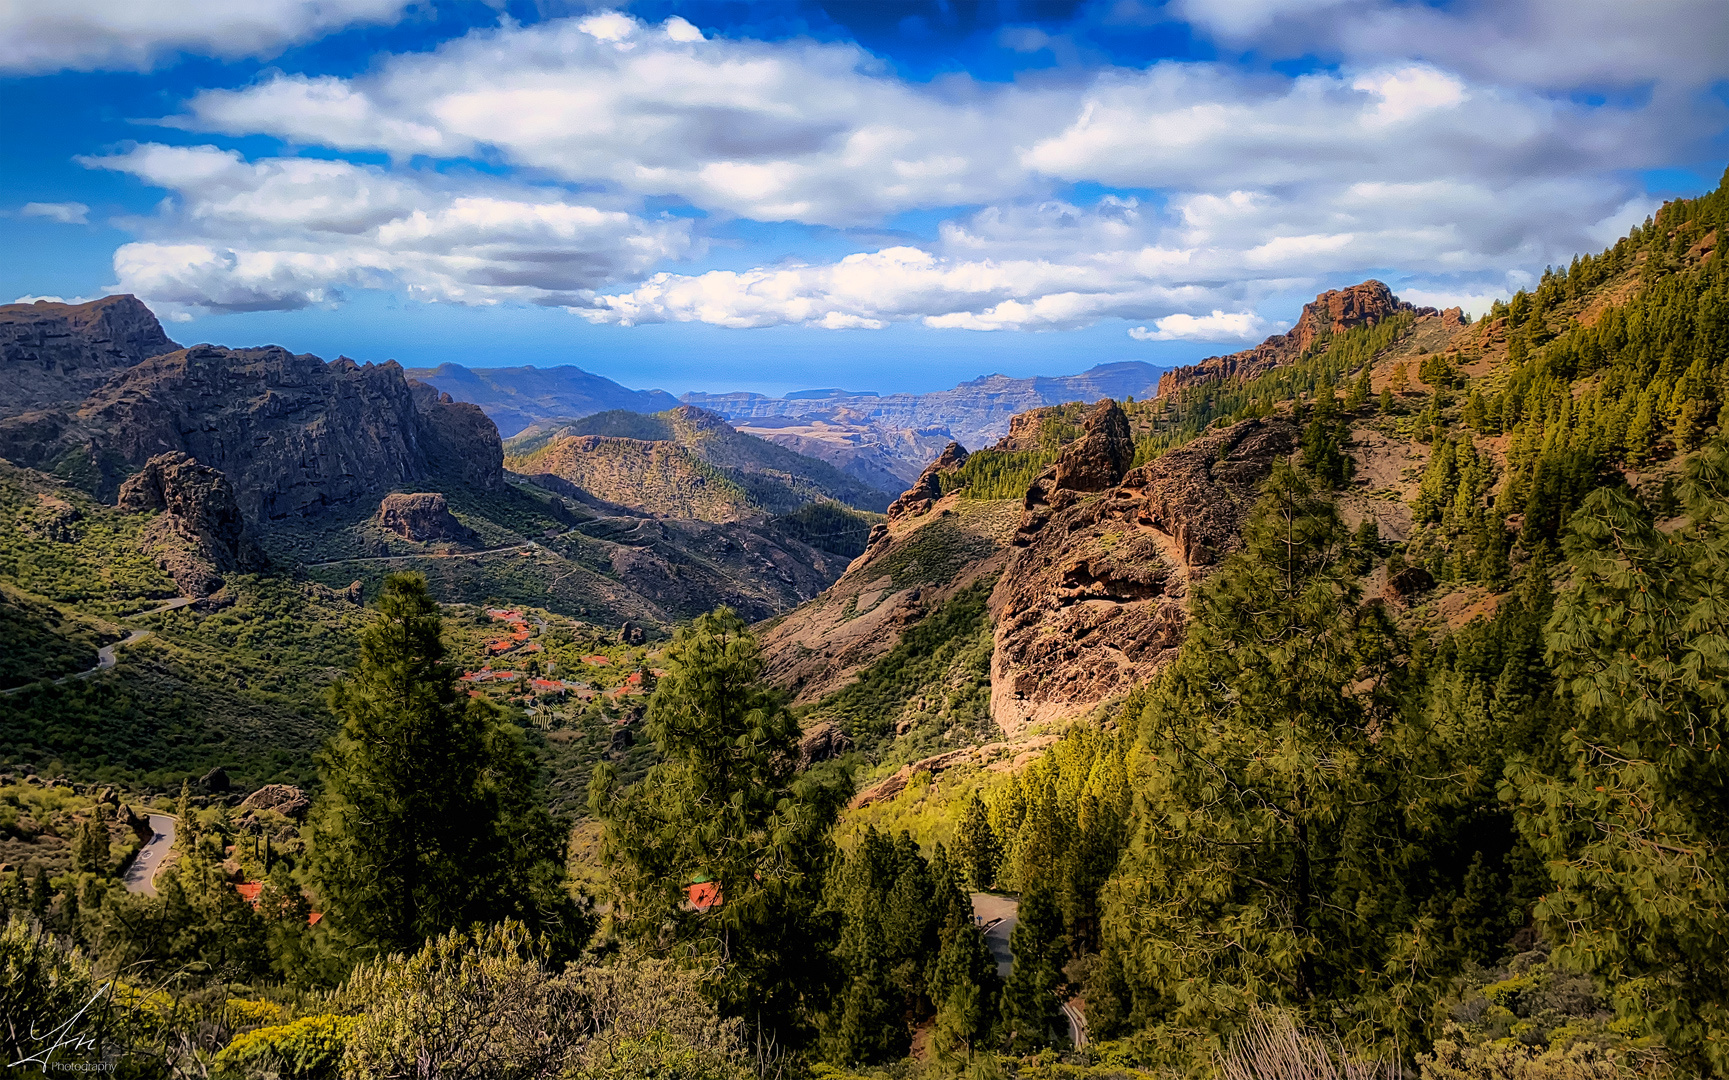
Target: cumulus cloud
1233,186
66,213
872,290
1219,326
797,131
1552,44
285,233
137,34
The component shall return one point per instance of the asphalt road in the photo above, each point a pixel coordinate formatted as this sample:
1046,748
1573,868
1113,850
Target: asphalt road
106,657
141,875
997,916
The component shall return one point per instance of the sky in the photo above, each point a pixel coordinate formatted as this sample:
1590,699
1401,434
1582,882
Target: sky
890,195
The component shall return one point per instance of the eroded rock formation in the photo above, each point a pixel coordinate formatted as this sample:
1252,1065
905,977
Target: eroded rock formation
199,534
295,435
1331,312
421,516
928,488
1093,601
56,354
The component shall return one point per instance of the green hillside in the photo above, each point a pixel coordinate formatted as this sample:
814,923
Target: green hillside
743,473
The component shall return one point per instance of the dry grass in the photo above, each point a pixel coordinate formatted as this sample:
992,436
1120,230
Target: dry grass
1273,1047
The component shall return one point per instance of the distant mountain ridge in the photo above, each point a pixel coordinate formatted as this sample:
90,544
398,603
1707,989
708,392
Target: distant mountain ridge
516,397
684,462
884,440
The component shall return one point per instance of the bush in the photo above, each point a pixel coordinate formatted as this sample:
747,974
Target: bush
307,1049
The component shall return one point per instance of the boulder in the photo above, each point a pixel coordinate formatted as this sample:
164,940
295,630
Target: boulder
1407,583
421,517
215,781
285,799
1100,457
632,634
823,741
1093,601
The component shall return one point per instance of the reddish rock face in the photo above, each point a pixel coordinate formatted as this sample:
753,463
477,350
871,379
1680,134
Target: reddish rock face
929,487
200,534
421,517
1333,312
1093,600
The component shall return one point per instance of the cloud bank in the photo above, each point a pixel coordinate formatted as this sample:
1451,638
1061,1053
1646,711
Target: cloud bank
1214,186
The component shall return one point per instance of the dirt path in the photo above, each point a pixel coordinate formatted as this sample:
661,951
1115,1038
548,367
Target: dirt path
997,916
527,546
152,857
106,657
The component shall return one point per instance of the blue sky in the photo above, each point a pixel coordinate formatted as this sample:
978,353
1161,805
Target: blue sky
885,196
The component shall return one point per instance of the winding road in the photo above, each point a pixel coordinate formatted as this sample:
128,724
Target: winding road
106,657
432,555
152,857
997,916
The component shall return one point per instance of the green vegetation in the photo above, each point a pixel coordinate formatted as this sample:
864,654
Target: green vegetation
1006,474
241,687
906,947
1325,364
428,818
829,527
725,807
948,649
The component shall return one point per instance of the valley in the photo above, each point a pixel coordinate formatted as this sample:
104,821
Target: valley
1366,681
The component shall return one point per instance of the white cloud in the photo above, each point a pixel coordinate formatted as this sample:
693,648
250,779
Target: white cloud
50,35
1219,326
871,290
33,299
284,233
66,213
1236,186
796,130
1553,44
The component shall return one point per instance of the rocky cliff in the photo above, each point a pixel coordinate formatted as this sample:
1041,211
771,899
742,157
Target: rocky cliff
56,354
1093,599
1331,312
198,534
294,434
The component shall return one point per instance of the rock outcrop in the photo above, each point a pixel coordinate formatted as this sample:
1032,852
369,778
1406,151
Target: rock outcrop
928,488
54,355
1331,312
294,434
284,799
421,516
1093,601
200,534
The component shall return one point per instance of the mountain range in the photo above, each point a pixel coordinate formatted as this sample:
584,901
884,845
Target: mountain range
885,440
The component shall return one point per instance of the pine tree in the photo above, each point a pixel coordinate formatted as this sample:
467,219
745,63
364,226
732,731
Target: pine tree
1267,862
1634,825
428,801
726,803
976,844
963,984
1032,1012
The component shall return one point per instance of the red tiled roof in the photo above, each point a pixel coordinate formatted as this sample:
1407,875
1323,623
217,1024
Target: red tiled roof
598,660
249,891
704,895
